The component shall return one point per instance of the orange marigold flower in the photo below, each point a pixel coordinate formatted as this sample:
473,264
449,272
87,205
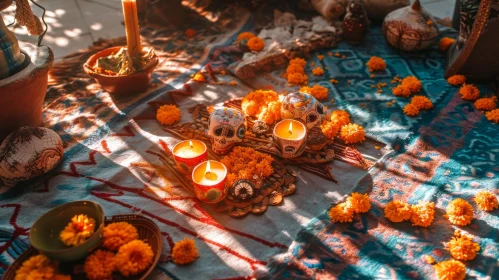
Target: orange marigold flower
317,71
190,32
493,116
37,266
337,54
247,163
422,214
459,212
330,129
485,104
78,230
168,114
411,110
184,251
462,247
486,201
297,78
376,64
316,91
256,44
270,113
245,35
340,117
445,43
262,104
333,81
469,92
118,234
401,90
422,102
298,61
456,80
133,258
320,57
99,265
41,273
359,202
412,83
295,68
450,270
233,83
199,77
397,211
341,213
352,133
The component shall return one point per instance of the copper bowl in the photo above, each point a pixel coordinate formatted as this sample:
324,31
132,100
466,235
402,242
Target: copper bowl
129,84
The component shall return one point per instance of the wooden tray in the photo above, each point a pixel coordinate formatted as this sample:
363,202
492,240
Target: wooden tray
148,232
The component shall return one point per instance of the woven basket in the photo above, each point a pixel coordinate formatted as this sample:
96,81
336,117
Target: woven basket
148,232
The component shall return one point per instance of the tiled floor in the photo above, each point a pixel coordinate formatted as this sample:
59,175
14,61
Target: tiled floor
75,24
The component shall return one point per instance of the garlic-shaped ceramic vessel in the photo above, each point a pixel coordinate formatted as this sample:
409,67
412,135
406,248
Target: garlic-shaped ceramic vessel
410,28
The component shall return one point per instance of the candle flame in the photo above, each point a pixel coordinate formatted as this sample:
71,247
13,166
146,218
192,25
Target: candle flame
208,175
190,143
290,127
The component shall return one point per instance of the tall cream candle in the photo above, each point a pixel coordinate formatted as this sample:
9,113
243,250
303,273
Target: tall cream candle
134,46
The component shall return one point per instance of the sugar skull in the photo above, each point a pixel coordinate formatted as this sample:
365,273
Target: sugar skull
226,127
303,107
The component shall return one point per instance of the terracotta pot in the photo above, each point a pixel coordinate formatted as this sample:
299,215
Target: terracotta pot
22,94
122,85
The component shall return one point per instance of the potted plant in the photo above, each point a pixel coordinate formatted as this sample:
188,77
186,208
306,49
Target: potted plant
23,71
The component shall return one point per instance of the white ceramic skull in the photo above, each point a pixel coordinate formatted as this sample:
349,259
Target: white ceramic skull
303,107
226,127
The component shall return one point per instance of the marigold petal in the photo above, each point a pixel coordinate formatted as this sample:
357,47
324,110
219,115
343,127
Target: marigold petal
118,234
450,270
376,64
99,265
423,214
445,43
469,92
168,114
341,213
493,116
133,258
459,212
486,201
456,80
411,110
352,133
462,247
397,211
184,251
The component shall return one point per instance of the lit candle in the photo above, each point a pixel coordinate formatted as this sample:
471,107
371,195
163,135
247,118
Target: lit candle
134,47
187,154
209,181
291,136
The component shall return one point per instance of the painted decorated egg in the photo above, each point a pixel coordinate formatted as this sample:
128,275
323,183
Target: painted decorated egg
29,152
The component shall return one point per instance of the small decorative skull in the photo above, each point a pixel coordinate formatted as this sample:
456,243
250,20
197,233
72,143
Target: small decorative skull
304,107
226,127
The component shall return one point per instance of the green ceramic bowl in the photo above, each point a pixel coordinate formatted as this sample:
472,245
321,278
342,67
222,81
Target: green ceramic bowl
44,234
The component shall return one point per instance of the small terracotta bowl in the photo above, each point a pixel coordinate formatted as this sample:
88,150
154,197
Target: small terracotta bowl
44,234
129,84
